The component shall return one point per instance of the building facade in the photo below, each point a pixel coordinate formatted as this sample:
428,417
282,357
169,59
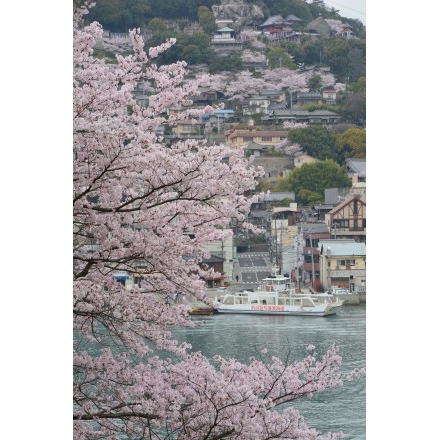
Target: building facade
343,263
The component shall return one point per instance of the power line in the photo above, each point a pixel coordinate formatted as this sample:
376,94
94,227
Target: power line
346,7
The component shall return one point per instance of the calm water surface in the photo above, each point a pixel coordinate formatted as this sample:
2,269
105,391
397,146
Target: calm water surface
238,336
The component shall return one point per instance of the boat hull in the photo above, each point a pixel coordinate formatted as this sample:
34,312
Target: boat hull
272,310
295,313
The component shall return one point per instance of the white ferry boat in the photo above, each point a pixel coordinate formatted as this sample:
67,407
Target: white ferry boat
274,303
275,296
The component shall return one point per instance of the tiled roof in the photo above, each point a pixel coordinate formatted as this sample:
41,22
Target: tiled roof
356,165
278,196
345,203
255,146
343,247
315,228
309,95
275,19
259,134
318,24
293,17
315,113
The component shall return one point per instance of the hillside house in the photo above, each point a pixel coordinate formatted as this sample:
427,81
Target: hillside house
311,97
237,138
256,105
277,96
255,149
314,117
185,129
329,96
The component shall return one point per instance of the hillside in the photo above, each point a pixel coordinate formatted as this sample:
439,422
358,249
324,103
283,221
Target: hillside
121,15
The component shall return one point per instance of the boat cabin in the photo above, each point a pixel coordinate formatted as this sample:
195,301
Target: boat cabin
268,299
275,283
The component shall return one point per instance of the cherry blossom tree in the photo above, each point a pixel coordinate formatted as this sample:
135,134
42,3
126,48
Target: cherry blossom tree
253,57
292,80
336,26
244,85
288,148
143,207
254,37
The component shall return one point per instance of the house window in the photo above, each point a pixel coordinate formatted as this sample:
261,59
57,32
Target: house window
345,262
247,139
266,138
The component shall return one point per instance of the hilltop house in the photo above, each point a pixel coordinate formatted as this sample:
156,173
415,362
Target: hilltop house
319,27
224,41
276,27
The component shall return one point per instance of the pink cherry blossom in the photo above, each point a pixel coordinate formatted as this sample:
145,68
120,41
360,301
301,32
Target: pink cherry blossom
147,208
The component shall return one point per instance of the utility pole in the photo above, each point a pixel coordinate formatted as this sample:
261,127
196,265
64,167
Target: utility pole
297,258
313,261
298,238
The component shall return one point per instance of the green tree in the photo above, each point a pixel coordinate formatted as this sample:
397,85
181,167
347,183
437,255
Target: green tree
358,86
353,142
278,57
294,50
312,50
301,9
120,15
199,44
176,9
355,107
157,26
315,82
336,55
191,54
192,48
231,63
207,20
316,140
310,180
